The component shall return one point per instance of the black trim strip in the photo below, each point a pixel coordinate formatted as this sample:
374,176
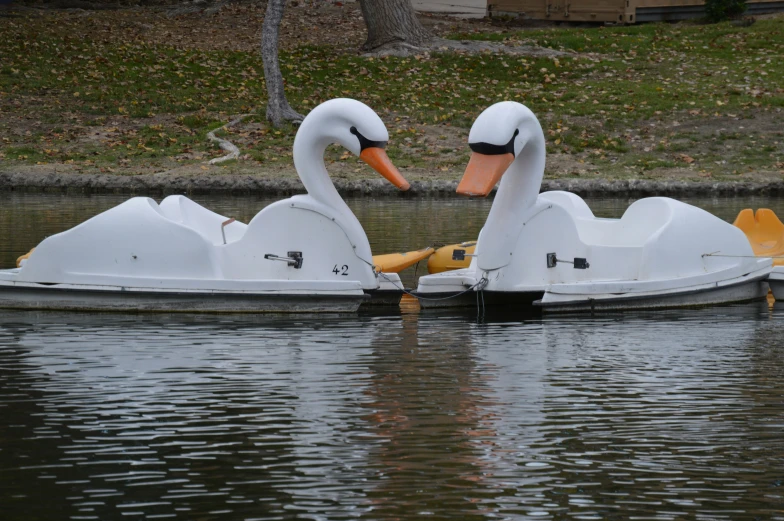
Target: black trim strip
489,149
365,142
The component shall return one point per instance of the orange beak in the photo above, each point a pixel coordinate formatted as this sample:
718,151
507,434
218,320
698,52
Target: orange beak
483,173
379,161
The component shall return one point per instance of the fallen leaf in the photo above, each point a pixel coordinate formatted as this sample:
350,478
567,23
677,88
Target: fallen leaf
686,159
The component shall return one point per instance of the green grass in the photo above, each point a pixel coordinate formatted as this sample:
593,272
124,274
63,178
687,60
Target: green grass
663,67
142,80
168,98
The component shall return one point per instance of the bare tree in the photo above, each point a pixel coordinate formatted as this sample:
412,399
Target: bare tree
392,24
278,108
394,29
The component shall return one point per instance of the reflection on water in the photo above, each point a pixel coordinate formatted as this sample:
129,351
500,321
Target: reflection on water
659,415
665,415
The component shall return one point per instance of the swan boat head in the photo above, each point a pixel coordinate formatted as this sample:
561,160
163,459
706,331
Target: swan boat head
507,144
352,125
505,134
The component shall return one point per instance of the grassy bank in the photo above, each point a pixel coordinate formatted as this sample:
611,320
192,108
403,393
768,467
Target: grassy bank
94,93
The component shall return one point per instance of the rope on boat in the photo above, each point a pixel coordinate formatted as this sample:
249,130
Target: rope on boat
479,286
481,283
480,310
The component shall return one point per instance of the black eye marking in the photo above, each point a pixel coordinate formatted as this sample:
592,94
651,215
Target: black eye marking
489,149
365,142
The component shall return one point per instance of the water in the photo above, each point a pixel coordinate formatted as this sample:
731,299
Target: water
665,415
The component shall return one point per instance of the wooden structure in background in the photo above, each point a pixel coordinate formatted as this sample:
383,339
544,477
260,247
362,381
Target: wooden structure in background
620,11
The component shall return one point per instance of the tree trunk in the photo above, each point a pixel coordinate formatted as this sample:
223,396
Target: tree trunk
392,23
278,108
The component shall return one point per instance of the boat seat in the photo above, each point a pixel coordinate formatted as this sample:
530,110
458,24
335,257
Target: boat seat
207,223
765,233
642,220
572,203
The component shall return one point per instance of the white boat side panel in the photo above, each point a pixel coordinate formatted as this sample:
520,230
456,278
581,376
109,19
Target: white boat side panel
132,239
299,224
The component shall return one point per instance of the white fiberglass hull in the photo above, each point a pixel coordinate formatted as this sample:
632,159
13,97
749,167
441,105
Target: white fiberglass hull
742,289
449,290
83,297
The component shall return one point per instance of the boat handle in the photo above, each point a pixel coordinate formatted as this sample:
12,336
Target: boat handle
579,263
294,258
224,224
459,255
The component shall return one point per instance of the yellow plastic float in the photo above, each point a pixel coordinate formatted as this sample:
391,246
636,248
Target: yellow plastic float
765,233
451,257
397,262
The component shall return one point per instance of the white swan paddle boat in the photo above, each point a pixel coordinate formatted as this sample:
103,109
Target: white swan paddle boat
550,251
307,253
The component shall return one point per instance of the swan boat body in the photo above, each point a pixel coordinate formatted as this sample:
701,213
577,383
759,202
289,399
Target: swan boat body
307,253
549,251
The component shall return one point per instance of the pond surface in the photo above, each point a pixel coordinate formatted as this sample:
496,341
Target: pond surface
405,415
